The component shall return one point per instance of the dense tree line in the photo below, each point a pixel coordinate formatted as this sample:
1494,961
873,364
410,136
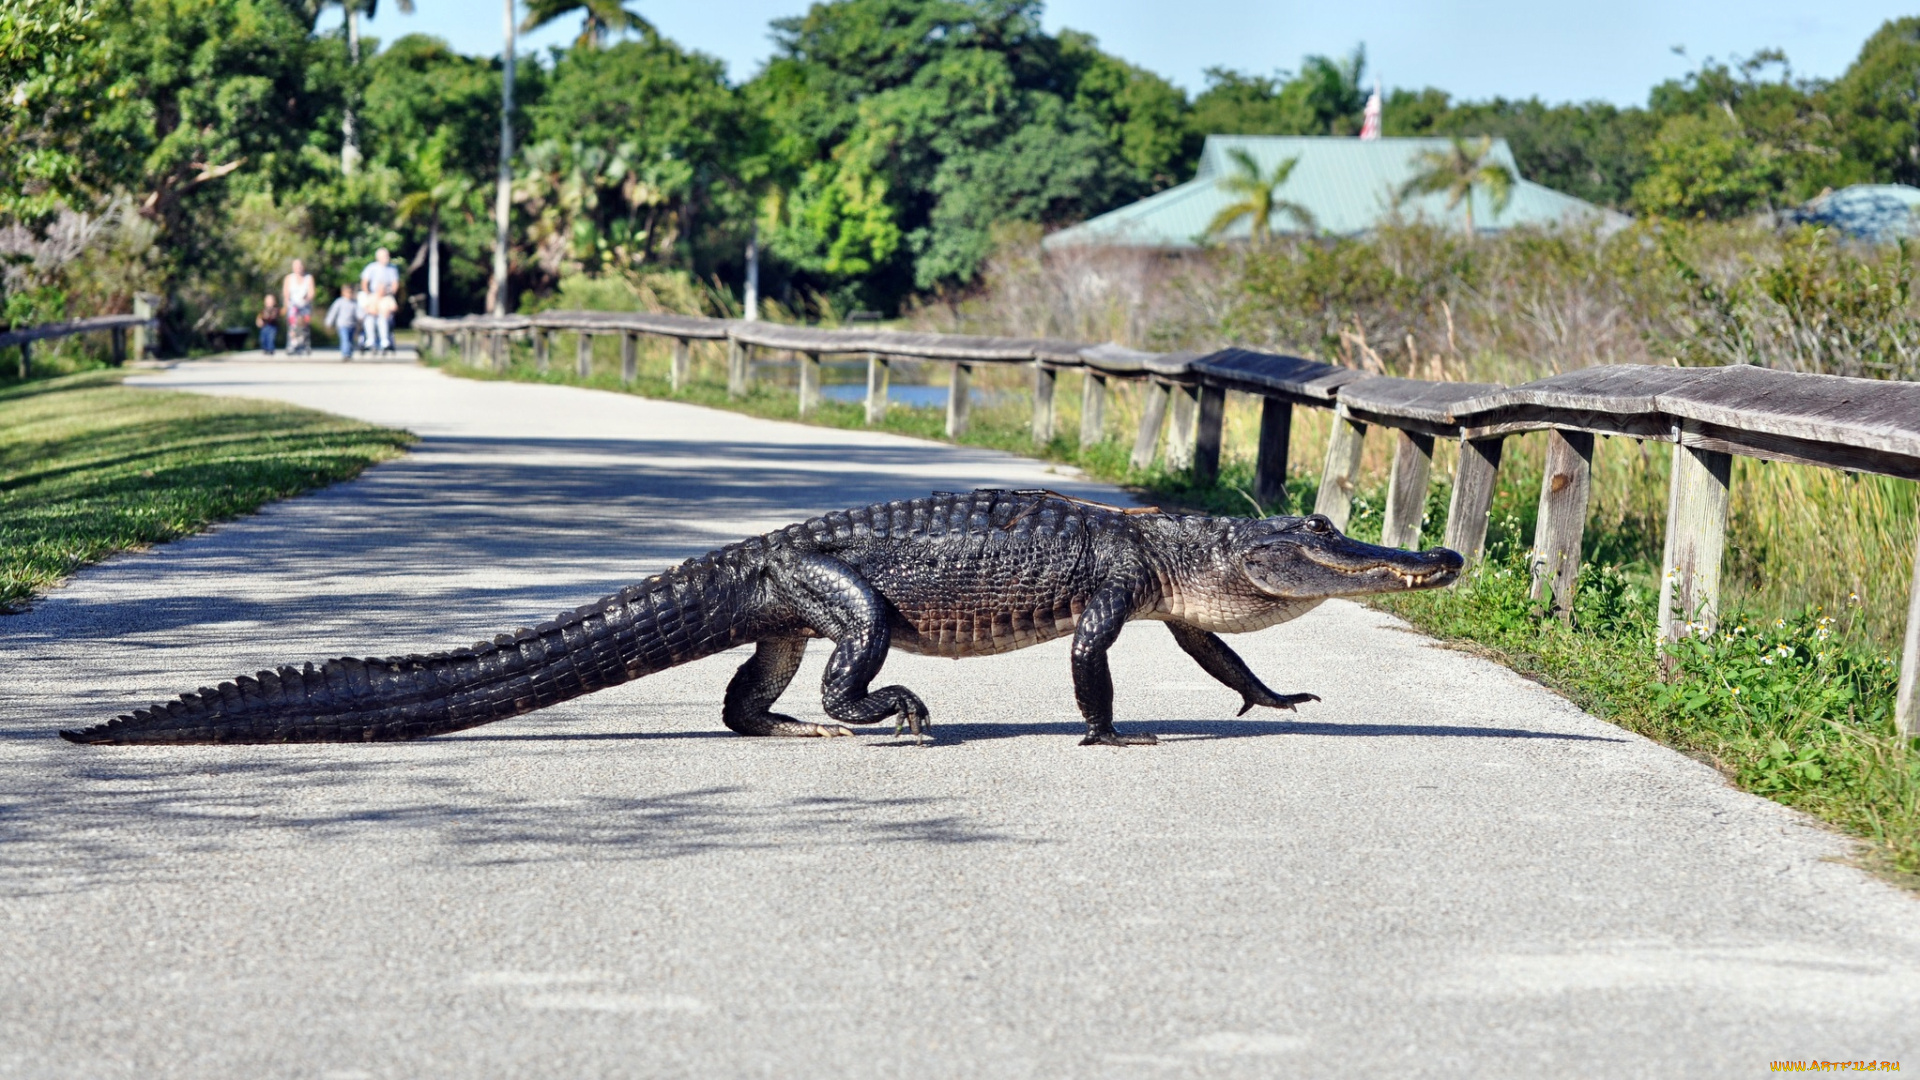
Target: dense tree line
198,144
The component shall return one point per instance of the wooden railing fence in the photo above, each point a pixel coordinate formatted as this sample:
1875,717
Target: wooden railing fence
1707,414
142,323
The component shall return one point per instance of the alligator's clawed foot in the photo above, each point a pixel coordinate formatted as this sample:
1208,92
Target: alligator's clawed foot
1278,701
915,721
1114,738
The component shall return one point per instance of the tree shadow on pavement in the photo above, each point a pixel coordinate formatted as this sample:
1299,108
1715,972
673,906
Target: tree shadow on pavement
105,820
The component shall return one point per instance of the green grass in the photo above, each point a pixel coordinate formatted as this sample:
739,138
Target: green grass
89,467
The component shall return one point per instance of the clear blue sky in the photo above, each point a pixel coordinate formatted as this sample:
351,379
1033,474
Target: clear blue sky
1559,51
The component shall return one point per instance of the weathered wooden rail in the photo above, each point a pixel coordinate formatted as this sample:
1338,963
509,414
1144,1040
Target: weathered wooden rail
1708,415
141,323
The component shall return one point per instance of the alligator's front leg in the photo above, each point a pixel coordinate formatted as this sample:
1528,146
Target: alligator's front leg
759,683
1224,664
1099,628
838,603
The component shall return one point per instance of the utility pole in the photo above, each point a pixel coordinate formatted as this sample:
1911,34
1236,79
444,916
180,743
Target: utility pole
350,145
753,273
503,199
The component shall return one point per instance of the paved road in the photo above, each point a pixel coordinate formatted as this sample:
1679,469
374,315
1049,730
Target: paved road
1442,869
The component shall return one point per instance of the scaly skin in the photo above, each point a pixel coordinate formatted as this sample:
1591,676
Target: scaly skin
950,575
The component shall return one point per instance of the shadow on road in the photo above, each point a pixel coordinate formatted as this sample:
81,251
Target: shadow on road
101,820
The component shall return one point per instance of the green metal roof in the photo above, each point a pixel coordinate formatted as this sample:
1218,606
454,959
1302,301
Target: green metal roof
1348,184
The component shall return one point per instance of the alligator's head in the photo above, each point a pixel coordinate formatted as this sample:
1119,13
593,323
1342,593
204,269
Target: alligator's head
1291,558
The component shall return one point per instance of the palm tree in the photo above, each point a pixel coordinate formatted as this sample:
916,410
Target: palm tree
434,190
351,10
601,18
1457,171
1256,192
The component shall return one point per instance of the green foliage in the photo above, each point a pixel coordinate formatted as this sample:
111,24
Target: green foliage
1325,98
598,19
1705,165
1875,106
629,145
89,468
907,131
51,68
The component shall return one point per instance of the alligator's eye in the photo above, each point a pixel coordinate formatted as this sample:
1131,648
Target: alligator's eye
1319,523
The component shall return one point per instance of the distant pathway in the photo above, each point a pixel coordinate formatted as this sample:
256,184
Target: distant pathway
1442,869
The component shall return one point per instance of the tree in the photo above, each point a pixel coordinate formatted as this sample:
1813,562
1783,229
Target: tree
350,12
1459,171
1257,202
630,147
432,191
1876,105
1704,165
601,17
1325,98
901,132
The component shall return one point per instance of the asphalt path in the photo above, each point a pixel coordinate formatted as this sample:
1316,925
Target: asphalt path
1440,869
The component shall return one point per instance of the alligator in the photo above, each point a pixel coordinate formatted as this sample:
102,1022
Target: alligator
952,575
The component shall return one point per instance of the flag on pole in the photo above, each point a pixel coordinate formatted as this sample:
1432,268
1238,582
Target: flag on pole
1370,120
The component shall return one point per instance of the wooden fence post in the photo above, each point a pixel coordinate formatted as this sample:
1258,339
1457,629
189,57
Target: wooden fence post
143,343
26,359
1186,410
1153,416
583,355
499,343
1407,489
959,400
629,356
809,382
1044,379
1270,468
878,379
681,362
1564,488
1342,470
1697,498
1207,436
739,365
542,347
119,345
1093,408
1906,706
1473,483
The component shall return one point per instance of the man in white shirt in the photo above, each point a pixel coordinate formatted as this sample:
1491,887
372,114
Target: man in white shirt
381,279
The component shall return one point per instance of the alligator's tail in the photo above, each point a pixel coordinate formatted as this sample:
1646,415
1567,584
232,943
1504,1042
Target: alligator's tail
682,615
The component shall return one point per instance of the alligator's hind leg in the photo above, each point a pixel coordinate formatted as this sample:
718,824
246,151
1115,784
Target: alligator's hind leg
759,683
838,603
1221,662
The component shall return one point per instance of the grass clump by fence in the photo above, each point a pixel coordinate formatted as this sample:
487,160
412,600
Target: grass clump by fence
89,467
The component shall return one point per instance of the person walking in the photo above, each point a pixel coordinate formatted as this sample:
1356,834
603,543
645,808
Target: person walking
298,291
268,322
380,280
344,318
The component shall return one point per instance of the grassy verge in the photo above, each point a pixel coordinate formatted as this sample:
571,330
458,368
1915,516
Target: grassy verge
1795,706
89,467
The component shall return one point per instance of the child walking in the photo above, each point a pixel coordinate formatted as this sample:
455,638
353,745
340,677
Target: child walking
344,318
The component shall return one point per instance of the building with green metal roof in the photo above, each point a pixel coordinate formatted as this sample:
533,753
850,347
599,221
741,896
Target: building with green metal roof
1349,186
